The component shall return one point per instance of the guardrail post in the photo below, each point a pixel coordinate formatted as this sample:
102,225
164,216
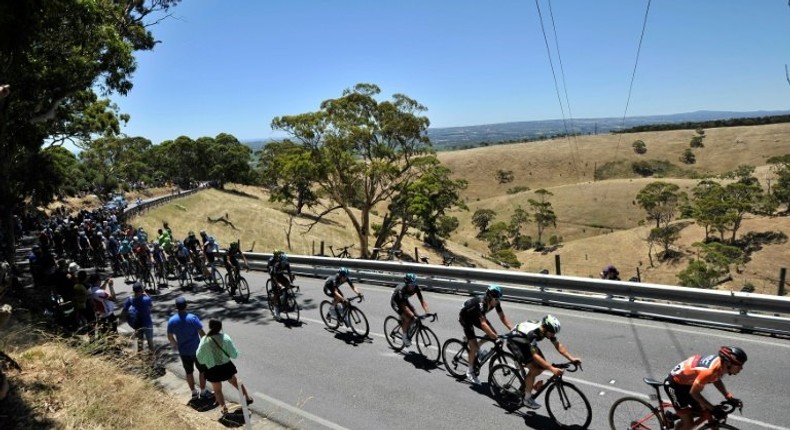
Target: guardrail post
782,277
557,264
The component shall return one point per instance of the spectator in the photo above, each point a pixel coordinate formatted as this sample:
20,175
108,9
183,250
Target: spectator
215,351
143,324
610,272
82,312
103,304
184,331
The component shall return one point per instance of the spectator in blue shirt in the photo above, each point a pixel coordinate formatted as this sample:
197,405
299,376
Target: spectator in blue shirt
144,324
184,331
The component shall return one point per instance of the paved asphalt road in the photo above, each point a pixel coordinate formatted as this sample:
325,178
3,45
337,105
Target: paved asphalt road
312,378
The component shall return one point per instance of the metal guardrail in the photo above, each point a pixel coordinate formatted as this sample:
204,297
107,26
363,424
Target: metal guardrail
735,310
148,204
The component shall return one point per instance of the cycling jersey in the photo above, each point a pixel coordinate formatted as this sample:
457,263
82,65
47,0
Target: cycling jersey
333,282
697,370
401,294
524,343
473,310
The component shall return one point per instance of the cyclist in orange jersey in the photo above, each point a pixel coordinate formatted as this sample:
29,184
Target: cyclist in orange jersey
686,381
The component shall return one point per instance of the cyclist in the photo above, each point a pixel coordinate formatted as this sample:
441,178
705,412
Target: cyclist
210,249
473,314
232,264
400,304
160,257
182,256
332,289
686,381
524,346
282,277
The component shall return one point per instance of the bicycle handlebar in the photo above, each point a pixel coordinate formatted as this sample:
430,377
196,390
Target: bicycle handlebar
568,366
432,316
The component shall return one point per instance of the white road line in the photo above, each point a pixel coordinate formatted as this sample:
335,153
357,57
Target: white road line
302,413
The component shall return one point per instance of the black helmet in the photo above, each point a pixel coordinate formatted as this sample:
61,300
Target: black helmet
410,279
343,271
733,354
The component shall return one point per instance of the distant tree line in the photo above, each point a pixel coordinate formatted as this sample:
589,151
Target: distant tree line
732,122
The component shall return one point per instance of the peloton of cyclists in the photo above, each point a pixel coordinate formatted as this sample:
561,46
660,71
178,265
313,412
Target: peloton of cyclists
473,314
685,383
400,304
524,346
332,289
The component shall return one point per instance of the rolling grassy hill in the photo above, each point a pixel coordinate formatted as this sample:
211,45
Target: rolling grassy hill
598,221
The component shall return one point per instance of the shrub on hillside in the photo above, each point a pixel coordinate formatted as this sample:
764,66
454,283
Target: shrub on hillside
506,256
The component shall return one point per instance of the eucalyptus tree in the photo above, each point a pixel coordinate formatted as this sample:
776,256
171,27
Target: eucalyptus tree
59,57
363,150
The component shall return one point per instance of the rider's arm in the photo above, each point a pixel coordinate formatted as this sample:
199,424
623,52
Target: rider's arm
696,393
537,358
422,301
486,327
353,288
722,389
565,353
502,317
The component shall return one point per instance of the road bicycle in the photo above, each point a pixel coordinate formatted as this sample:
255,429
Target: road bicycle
568,407
160,273
446,260
185,274
350,316
343,252
288,304
634,413
455,354
215,279
418,332
234,282
387,254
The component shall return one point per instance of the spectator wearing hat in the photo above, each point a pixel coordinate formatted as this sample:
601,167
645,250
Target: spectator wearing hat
216,351
143,324
184,331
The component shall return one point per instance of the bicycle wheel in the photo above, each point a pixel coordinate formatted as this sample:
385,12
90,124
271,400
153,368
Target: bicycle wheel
392,333
506,383
228,281
454,355
217,281
634,413
502,357
571,409
331,322
244,289
359,322
269,295
428,344
291,306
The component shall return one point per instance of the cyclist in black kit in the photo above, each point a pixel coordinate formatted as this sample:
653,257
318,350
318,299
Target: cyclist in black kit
400,304
473,314
332,289
524,347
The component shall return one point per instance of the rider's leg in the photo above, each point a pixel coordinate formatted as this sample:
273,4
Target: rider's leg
533,370
406,319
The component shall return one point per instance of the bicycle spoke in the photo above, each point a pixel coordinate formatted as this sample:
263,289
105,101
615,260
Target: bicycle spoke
633,413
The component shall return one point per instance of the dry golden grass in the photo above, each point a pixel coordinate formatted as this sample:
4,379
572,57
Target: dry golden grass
60,387
598,222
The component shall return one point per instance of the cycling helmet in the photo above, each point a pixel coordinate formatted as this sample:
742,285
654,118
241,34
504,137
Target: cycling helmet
551,323
733,354
156,245
283,258
191,233
277,253
494,291
211,239
410,279
135,239
343,271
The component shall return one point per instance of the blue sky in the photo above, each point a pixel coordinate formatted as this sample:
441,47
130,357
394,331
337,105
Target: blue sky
232,66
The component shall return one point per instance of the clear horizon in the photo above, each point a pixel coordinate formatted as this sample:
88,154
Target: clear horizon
233,69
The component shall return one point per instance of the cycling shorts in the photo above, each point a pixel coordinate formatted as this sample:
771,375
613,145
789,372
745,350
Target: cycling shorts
680,395
469,325
281,280
398,304
522,350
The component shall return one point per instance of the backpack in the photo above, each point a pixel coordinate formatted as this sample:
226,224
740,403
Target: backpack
132,316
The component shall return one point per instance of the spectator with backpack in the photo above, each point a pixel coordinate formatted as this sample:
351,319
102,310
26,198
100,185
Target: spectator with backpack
138,315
